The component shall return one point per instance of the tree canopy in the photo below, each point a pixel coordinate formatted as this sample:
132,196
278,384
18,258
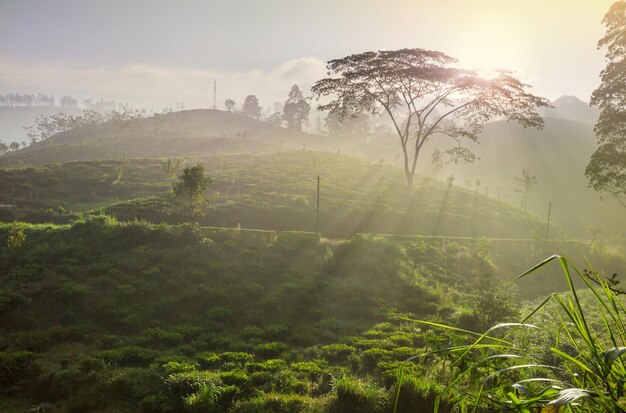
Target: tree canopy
251,107
296,109
191,188
607,169
425,97
230,105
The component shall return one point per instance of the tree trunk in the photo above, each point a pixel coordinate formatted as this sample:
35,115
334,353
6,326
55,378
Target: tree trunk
409,181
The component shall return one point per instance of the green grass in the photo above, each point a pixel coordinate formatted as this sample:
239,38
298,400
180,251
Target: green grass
143,316
266,191
572,360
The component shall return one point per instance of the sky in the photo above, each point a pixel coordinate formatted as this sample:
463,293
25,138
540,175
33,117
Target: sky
153,53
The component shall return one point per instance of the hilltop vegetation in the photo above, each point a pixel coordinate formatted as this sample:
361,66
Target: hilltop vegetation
186,133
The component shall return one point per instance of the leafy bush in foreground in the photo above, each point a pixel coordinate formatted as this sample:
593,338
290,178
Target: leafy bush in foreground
584,371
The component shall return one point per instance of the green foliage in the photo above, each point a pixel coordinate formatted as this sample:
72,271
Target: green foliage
204,400
174,367
336,352
126,356
16,366
493,302
607,169
416,394
191,188
584,370
16,237
146,316
355,395
278,403
270,350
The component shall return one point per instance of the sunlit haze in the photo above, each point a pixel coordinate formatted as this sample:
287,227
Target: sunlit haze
153,53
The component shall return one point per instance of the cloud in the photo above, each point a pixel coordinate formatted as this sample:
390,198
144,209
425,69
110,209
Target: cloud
156,86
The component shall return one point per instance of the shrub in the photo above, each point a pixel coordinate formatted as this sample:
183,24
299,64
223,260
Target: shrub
204,400
414,394
277,403
354,395
173,367
307,367
373,356
158,336
336,352
126,356
235,378
208,360
270,350
10,300
17,365
188,382
585,371
238,357
268,365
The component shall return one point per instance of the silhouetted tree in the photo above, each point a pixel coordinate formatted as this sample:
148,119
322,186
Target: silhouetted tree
296,109
276,118
607,169
436,162
230,105
425,98
525,184
251,107
14,146
4,148
68,102
17,99
352,124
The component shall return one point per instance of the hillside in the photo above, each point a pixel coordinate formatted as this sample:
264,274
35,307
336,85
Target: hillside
572,108
187,133
273,191
557,155
138,317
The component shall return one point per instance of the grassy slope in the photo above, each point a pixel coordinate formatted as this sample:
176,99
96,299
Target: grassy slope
557,155
186,133
101,307
273,191
177,295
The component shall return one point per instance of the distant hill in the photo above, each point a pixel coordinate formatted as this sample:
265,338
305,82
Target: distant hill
572,108
187,133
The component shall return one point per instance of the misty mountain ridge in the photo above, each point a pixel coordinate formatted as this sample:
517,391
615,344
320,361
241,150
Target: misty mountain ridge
571,108
195,132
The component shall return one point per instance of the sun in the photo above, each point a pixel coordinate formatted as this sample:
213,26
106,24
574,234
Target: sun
493,44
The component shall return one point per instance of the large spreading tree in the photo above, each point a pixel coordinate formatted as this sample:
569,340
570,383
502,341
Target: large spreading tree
607,169
425,97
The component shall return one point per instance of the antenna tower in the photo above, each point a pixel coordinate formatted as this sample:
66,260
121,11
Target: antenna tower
214,94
